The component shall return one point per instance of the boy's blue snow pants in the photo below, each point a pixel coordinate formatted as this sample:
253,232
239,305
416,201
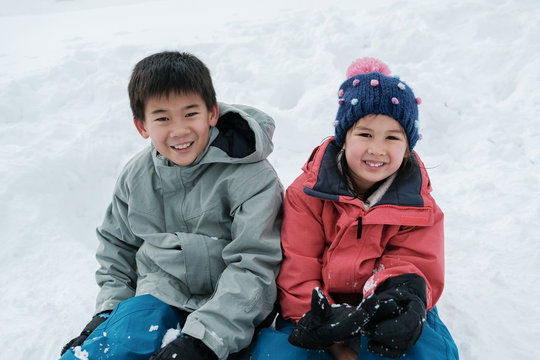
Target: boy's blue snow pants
434,343
134,331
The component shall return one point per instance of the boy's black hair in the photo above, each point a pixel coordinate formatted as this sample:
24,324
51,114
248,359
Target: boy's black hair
165,72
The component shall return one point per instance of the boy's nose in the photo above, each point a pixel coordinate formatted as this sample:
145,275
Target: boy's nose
178,131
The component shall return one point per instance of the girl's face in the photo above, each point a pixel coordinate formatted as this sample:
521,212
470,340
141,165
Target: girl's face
374,149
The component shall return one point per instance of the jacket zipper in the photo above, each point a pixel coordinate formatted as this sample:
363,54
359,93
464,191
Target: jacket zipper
359,228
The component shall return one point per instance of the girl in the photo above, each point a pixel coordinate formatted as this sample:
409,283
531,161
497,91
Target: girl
362,232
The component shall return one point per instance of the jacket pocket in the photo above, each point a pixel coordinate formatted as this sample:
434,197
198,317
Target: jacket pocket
203,262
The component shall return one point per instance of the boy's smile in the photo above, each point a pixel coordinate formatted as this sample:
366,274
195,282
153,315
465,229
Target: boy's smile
178,126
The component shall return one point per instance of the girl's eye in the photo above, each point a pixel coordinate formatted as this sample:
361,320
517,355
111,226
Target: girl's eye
393,138
366,135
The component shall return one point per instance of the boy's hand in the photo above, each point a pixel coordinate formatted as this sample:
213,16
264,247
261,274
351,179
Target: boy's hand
325,324
185,348
399,307
91,326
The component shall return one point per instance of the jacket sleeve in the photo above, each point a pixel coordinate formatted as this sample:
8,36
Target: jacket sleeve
418,250
117,273
246,291
303,243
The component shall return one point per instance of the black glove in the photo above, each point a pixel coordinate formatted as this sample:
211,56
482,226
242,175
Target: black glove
399,315
185,348
91,326
326,324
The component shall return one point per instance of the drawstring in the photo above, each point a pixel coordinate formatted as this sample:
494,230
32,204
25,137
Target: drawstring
359,229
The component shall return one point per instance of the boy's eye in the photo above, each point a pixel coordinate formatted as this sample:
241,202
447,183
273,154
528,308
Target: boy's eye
162,119
191,114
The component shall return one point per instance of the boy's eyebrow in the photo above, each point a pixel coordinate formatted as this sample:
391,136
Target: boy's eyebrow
188,107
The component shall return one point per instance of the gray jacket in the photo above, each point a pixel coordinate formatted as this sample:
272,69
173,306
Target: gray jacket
205,237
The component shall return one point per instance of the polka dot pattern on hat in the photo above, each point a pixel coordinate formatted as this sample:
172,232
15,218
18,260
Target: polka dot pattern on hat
370,89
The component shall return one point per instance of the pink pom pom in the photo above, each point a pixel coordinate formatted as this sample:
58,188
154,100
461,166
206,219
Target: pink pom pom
374,82
395,101
341,92
367,65
355,82
341,101
418,101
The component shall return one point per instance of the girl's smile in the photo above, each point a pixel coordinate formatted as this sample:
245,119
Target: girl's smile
374,149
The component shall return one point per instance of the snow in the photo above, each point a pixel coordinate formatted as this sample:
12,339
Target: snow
153,328
170,336
79,353
66,131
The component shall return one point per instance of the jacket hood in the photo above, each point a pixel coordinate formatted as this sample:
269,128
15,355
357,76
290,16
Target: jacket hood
324,180
243,134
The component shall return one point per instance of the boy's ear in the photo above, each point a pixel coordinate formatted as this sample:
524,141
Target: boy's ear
141,127
214,115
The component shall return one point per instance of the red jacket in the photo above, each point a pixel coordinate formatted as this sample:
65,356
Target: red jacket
330,241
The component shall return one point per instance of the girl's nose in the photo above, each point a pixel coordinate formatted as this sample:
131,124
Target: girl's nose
376,149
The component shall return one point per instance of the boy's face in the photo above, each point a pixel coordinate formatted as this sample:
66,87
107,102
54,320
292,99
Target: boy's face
178,125
374,149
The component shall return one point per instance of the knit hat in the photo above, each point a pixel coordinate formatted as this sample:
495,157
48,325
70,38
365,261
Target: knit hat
369,89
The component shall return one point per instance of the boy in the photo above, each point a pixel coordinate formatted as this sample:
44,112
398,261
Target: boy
191,239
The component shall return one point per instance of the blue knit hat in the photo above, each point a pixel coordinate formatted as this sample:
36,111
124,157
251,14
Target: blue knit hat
369,89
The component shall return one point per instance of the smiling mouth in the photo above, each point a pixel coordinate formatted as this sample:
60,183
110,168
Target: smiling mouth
182,146
374,164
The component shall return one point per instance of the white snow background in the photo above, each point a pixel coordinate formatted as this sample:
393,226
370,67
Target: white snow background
66,131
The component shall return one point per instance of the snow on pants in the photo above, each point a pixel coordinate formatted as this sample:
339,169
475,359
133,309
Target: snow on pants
134,331
434,343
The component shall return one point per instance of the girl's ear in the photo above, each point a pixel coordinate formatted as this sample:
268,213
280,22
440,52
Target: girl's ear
141,128
407,159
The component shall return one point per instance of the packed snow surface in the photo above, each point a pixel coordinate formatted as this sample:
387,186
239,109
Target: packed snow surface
66,131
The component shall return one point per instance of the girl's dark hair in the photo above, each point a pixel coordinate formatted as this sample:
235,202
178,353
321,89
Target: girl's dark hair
166,72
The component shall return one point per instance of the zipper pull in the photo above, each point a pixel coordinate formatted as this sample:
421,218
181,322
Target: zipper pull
359,229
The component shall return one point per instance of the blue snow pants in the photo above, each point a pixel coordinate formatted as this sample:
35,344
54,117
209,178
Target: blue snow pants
434,343
134,331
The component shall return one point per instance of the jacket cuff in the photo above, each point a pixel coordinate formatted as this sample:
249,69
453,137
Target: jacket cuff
196,329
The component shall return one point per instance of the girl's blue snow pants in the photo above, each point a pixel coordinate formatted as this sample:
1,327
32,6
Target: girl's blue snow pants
134,331
434,343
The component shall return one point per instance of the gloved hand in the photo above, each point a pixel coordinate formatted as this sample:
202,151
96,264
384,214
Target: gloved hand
185,348
91,326
324,324
399,315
